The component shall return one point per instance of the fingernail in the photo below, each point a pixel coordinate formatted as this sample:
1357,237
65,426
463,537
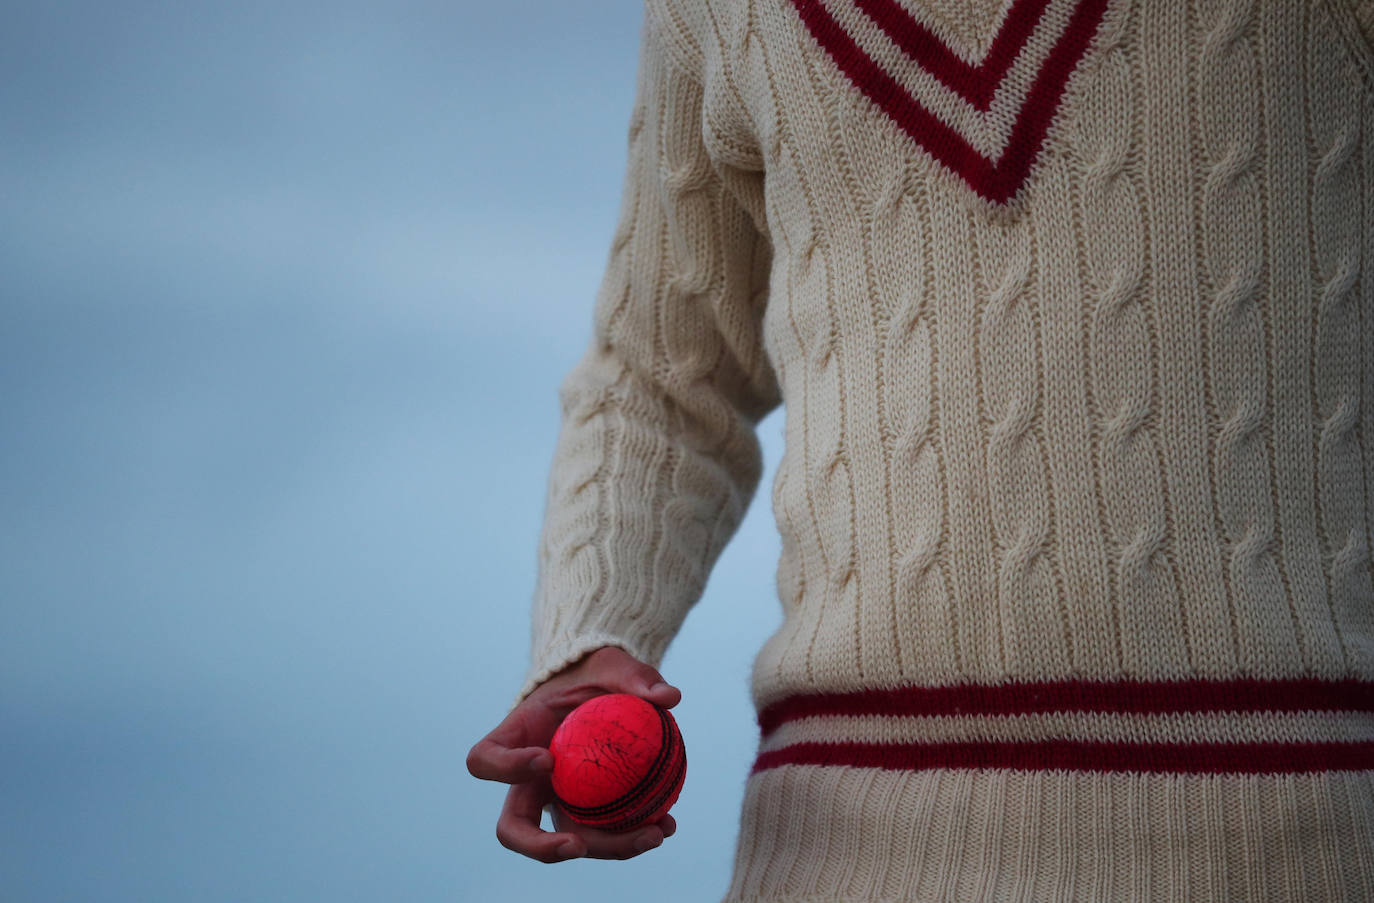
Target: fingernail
569,850
646,842
661,685
542,762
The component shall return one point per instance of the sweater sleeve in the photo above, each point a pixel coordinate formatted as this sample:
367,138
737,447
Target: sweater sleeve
657,457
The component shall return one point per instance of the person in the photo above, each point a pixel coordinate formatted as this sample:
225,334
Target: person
1067,303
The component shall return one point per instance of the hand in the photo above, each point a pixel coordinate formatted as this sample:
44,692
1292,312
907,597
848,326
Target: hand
517,753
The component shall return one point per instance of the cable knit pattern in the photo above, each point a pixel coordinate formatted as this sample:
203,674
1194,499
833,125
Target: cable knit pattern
1356,17
1066,304
658,459
1335,265
1123,368
1239,329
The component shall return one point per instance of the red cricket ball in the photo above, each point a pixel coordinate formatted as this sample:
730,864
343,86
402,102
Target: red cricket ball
618,762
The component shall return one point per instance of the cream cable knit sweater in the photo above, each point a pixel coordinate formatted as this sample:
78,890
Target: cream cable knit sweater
1068,303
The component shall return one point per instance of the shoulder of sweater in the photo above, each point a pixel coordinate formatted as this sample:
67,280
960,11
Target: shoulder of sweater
678,25
703,39
705,35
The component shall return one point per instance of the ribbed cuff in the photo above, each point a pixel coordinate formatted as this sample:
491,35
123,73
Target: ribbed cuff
569,650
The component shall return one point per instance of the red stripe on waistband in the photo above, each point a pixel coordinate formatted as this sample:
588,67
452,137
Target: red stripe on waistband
1124,696
1075,755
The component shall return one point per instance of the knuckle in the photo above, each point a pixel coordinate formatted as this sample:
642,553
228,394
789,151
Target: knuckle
610,656
605,655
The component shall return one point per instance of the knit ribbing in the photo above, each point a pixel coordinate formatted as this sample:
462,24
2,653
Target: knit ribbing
1067,300
1037,835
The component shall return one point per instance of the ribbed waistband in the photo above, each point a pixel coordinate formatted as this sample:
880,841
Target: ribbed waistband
992,835
1241,726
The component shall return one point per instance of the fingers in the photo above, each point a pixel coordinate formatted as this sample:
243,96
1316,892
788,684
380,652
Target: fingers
608,845
518,830
491,761
517,750
518,827
516,753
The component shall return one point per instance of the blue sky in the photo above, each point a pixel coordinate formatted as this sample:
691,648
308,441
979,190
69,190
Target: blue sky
286,292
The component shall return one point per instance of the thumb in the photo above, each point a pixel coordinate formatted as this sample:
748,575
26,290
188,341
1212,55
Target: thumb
663,694
630,675
648,684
